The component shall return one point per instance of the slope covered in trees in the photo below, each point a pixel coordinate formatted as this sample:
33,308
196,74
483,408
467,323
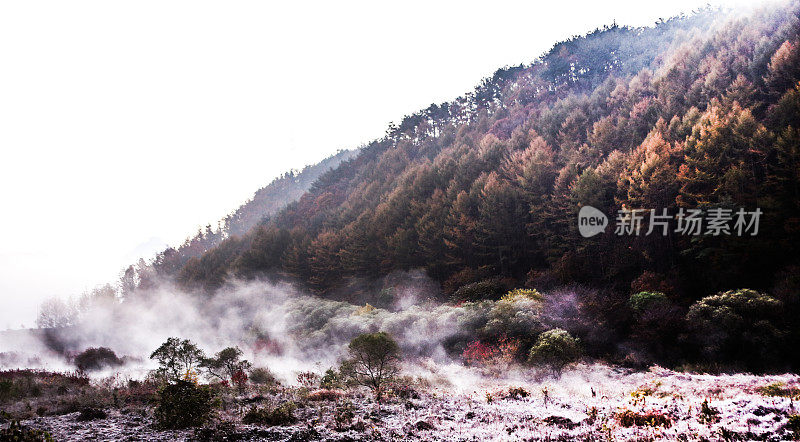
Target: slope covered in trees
695,112
482,193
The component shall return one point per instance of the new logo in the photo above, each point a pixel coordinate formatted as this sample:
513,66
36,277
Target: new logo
591,221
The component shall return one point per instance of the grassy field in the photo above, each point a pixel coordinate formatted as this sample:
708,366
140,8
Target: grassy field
589,402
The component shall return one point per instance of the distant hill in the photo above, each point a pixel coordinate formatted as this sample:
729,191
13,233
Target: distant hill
284,190
265,202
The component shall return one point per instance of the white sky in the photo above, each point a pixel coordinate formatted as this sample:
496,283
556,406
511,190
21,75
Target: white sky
127,125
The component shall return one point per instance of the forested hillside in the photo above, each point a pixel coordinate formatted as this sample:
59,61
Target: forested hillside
694,112
482,193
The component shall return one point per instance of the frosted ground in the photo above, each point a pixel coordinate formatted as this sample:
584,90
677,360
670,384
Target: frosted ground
440,398
460,404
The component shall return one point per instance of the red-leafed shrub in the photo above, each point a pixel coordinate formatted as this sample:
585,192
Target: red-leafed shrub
501,353
239,379
308,379
478,353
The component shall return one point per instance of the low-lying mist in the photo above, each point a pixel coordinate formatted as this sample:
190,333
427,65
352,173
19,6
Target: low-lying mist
276,325
289,331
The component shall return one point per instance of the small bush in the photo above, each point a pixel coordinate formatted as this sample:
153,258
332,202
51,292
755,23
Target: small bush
656,325
643,391
653,282
138,392
708,414
643,301
226,365
183,405
517,317
779,389
424,426
522,295
262,376
738,326
280,415
486,289
367,309
402,388
308,379
463,277
7,390
343,415
793,425
499,356
20,433
517,393
630,418
555,348
96,358
18,388
90,414
332,379
560,421
239,379
324,395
